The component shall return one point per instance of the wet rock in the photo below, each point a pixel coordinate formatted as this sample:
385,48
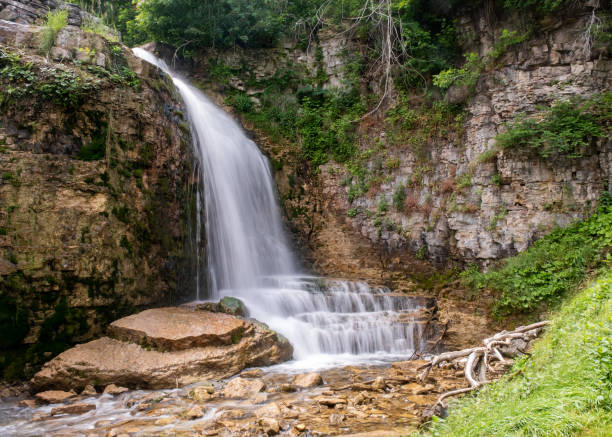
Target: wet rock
165,421
29,403
110,361
330,401
89,390
194,412
227,305
379,383
287,388
243,388
252,373
270,410
202,393
54,396
270,426
300,427
308,380
174,329
114,390
336,419
72,409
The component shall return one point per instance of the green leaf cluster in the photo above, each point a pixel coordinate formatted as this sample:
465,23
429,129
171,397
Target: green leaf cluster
552,267
568,128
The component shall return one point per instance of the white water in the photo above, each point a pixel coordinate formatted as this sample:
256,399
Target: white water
326,321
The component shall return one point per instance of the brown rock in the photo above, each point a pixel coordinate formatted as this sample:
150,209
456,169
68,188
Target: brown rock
72,409
194,412
173,329
29,403
330,401
243,388
300,427
200,394
308,380
111,361
165,421
270,410
336,419
379,383
54,396
114,390
287,388
270,426
89,390
252,373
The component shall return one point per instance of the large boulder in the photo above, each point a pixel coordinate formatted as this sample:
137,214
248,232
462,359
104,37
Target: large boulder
172,329
111,361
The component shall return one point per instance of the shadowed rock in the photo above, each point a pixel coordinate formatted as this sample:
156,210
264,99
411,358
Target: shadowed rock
110,361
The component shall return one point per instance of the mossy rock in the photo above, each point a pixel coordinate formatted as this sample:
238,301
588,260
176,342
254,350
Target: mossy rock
233,306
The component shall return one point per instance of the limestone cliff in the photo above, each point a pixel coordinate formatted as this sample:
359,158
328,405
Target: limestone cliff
462,200
96,186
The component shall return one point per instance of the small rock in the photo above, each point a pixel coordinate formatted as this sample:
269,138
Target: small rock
330,401
428,388
115,390
194,413
54,396
252,373
30,403
89,390
270,426
336,419
73,409
308,380
287,388
270,410
200,394
243,388
379,383
300,427
165,421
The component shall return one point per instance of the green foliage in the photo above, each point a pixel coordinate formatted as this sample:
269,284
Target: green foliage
219,23
96,149
474,65
496,218
552,267
399,198
58,85
567,128
564,388
543,6
54,22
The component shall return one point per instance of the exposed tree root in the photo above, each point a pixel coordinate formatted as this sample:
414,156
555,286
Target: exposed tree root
503,344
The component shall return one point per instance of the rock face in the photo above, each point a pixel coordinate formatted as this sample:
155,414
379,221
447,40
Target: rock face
458,206
172,329
109,361
93,187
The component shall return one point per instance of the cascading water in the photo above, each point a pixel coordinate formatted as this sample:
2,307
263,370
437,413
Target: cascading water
249,256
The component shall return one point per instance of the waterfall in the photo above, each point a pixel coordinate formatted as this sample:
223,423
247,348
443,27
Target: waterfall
249,256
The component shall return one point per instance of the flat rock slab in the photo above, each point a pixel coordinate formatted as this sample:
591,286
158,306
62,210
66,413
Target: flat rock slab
175,329
109,361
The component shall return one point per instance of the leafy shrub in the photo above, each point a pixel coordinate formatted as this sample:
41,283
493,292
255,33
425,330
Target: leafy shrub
399,198
566,128
54,22
553,266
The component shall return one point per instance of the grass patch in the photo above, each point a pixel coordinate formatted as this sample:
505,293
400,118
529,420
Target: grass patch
553,266
563,389
54,22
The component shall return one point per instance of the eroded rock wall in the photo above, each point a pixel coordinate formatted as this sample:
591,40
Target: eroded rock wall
459,208
96,189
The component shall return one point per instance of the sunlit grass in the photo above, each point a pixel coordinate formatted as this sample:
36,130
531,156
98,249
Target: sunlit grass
563,389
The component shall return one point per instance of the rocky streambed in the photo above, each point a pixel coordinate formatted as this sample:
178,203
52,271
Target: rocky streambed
375,400
172,371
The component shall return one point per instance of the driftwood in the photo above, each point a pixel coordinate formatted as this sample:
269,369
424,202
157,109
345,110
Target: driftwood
503,344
